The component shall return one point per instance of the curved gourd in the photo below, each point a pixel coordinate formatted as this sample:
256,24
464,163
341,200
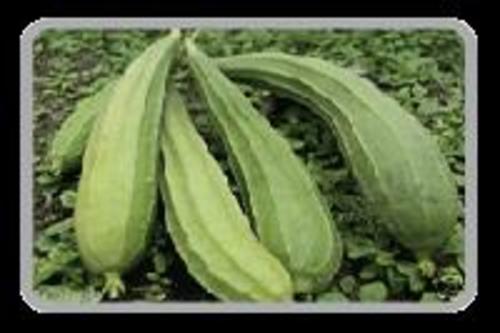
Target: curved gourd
287,208
394,158
117,190
207,226
70,140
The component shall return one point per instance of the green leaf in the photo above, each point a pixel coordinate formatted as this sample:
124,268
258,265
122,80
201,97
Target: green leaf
45,244
360,247
407,268
451,276
58,228
296,144
56,234
430,298
155,295
369,272
373,292
415,279
152,276
332,296
397,282
428,107
74,276
417,284
66,294
348,284
160,263
456,243
45,179
68,199
460,180
427,268
385,258
59,257
56,250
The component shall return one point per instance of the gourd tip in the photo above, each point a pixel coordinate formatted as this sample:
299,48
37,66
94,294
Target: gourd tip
113,286
426,266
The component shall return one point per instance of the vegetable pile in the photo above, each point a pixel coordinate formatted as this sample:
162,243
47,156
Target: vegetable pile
139,151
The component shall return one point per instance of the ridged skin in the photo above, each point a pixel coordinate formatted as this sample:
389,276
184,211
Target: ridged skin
288,211
117,190
69,143
208,228
395,159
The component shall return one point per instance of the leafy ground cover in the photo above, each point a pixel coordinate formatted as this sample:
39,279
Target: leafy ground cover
423,70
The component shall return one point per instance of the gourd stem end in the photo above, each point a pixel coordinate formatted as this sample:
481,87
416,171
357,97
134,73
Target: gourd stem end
426,266
113,286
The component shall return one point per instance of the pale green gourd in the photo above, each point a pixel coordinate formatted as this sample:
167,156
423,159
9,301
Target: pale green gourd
395,159
67,147
290,217
207,226
117,191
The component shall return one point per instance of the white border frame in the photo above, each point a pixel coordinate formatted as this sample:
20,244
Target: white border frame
33,30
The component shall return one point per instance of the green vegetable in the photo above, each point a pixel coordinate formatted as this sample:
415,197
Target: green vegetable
394,158
69,143
332,296
208,228
290,216
430,298
117,191
373,292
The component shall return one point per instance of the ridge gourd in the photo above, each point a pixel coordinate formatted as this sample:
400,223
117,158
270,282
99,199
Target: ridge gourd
394,158
289,213
117,191
70,140
205,221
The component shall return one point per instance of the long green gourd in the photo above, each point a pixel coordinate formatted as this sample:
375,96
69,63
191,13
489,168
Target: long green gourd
290,216
395,159
208,228
118,186
69,143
